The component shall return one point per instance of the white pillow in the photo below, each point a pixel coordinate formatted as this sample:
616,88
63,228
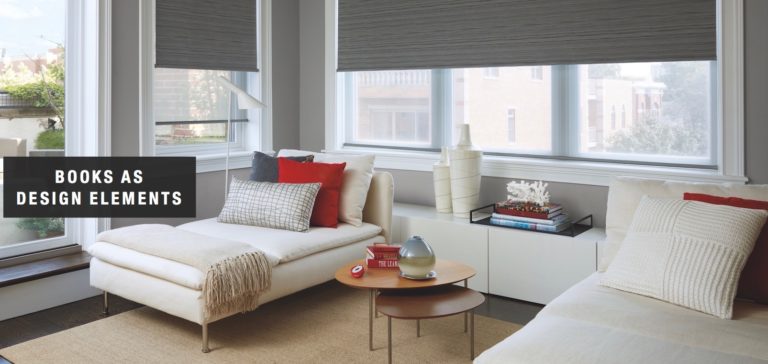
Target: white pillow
286,206
625,192
354,188
688,253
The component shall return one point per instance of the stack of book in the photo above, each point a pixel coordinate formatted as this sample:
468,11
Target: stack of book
381,255
529,216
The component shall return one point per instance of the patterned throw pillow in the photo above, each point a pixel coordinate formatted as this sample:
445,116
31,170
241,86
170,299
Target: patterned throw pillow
688,253
286,206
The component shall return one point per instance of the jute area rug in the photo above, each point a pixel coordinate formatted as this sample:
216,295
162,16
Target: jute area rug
325,324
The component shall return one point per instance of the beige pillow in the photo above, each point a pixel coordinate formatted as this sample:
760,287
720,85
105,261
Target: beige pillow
354,188
625,193
688,253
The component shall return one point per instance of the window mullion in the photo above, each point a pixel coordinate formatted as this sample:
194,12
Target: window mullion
442,96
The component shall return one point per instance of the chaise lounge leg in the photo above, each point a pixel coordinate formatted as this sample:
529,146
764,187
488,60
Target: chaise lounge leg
106,304
205,339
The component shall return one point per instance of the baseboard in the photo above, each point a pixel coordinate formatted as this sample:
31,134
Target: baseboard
25,298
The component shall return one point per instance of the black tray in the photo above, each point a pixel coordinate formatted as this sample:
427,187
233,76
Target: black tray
577,227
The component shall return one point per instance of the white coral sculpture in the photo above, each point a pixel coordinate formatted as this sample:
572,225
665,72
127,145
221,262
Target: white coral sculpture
534,192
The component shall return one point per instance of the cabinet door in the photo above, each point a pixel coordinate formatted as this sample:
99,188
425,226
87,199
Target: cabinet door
460,242
536,267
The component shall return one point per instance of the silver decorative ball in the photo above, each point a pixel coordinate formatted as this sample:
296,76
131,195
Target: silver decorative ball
416,258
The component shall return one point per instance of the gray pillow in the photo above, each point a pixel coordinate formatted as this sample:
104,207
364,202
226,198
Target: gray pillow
264,168
286,206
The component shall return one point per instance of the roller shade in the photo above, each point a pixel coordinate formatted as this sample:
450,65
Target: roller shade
390,34
206,34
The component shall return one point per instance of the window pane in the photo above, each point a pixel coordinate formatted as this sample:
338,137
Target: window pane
390,107
485,104
647,111
186,96
31,100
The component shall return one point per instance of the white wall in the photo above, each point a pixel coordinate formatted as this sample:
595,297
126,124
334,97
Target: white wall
21,299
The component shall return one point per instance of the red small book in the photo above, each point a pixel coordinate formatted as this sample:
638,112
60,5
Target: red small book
529,210
382,263
384,248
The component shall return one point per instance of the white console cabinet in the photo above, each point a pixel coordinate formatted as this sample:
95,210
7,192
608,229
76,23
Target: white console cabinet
525,265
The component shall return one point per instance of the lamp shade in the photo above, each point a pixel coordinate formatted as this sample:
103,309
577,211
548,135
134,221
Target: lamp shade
244,100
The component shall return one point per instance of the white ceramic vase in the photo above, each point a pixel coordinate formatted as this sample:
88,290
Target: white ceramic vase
465,175
441,173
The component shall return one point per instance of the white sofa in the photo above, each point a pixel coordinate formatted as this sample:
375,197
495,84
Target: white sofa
591,323
300,259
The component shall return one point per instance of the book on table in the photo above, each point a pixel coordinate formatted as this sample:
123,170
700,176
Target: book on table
555,220
526,209
382,251
530,226
381,263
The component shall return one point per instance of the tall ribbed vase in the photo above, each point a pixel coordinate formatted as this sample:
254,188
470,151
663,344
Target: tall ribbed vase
441,173
465,175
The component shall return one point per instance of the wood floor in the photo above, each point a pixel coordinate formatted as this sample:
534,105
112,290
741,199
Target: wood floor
46,322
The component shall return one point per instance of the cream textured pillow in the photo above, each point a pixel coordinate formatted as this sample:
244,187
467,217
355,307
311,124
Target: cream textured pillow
686,252
625,192
354,188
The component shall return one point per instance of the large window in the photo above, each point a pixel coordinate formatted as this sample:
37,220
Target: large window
658,113
36,117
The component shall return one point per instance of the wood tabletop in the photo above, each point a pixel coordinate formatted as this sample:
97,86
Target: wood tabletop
448,272
428,303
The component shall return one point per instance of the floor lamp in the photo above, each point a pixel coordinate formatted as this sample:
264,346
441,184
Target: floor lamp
244,102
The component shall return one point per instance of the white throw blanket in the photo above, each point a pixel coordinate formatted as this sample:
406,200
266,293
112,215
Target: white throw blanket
235,273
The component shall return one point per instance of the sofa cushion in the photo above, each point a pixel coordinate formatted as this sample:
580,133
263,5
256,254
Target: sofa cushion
272,205
330,176
279,246
688,253
590,323
357,181
625,192
264,167
753,284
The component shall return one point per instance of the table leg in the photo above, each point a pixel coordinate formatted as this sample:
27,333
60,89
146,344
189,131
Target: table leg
418,328
472,335
370,319
389,339
465,314
375,311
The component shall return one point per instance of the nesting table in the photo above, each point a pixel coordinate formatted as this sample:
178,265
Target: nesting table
403,298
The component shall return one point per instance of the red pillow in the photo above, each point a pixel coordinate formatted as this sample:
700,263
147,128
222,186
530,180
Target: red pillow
753,283
330,175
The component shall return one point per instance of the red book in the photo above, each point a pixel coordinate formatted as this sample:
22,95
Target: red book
381,263
529,210
384,248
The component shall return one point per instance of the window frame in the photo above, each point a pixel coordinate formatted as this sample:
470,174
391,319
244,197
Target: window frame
256,134
88,113
729,125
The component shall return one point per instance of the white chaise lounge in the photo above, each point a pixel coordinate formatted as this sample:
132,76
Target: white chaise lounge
590,323
300,259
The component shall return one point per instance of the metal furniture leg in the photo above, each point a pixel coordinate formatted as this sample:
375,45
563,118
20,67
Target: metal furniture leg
375,311
389,339
206,349
465,314
106,304
418,328
472,335
370,318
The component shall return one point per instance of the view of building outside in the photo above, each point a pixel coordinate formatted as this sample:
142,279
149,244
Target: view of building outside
31,97
187,96
639,109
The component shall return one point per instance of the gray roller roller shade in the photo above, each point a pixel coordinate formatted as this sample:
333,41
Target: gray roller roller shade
206,34
388,34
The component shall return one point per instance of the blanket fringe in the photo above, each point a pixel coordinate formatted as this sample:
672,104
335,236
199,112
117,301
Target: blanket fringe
235,284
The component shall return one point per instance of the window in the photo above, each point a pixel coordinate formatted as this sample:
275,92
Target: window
189,108
537,73
511,125
36,117
491,72
569,111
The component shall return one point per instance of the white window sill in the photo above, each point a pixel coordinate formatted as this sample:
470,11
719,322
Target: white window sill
580,172
217,162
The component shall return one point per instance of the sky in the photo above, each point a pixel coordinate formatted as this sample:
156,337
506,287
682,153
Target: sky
23,22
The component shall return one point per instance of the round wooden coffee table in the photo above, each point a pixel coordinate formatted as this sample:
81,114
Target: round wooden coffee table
382,279
429,303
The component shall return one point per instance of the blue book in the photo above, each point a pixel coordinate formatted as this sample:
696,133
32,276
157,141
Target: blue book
530,226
